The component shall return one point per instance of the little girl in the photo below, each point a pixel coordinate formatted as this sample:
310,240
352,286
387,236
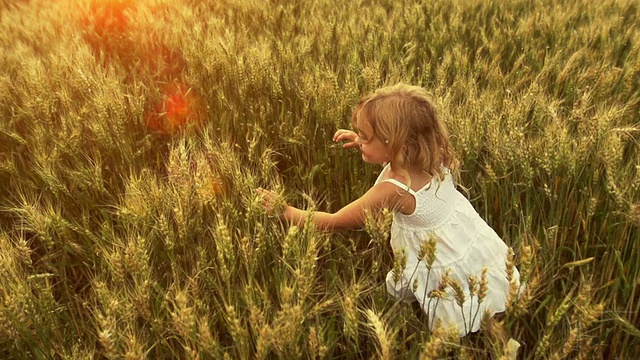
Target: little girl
398,127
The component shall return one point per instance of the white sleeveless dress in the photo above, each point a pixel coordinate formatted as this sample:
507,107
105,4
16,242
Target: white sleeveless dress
464,245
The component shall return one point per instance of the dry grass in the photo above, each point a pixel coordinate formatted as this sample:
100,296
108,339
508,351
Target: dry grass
134,133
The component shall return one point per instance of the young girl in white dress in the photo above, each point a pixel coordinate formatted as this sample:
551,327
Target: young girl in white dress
466,276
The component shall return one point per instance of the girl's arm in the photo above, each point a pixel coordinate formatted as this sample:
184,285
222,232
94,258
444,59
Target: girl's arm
383,195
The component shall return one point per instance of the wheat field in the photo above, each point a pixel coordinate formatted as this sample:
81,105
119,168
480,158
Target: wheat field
135,132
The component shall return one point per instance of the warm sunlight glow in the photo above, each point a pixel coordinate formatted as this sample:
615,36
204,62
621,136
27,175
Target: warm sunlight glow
106,25
179,106
110,15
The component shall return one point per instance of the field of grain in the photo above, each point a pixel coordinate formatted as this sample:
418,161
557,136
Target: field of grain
134,133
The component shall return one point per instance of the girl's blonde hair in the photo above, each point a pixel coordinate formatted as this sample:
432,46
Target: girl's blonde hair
405,118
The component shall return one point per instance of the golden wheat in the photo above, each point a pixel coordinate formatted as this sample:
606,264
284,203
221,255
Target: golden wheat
134,134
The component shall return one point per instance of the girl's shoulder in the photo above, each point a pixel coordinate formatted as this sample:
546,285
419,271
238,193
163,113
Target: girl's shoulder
417,182
393,195
387,175
384,173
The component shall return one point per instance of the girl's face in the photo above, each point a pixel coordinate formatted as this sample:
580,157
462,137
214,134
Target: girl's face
373,150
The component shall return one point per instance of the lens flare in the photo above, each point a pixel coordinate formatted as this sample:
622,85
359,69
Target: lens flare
110,16
108,32
179,107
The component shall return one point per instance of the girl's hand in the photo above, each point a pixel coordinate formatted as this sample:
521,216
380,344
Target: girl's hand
273,203
348,135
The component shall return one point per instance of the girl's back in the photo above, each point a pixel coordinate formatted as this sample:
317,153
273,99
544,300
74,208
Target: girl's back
465,244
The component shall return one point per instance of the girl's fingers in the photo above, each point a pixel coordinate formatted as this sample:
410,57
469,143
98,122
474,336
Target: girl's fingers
270,200
343,134
340,132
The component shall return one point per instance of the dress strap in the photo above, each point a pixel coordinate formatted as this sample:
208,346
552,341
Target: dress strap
400,185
